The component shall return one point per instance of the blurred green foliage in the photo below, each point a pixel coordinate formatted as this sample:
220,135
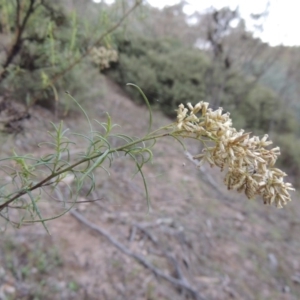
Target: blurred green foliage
168,73
290,158
171,73
37,48
41,44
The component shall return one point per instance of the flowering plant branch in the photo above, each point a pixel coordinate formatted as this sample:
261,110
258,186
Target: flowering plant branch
249,165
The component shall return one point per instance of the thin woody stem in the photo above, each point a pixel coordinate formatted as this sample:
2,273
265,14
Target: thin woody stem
17,44
71,167
88,51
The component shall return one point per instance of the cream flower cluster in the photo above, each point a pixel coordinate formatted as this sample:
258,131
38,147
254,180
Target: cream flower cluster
102,57
248,164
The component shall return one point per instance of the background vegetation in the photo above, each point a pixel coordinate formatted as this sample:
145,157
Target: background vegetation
237,71
45,49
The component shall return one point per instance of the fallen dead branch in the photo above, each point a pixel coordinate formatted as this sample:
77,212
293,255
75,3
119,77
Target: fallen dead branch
180,282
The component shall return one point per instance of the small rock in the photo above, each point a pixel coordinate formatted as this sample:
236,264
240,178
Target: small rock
273,261
286,289
296,278
8,289
2,272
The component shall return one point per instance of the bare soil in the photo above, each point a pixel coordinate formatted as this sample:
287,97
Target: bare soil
219,243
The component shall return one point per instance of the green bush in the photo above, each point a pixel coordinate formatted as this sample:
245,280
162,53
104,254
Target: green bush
290,158
170,73
166,71
40,52
44,45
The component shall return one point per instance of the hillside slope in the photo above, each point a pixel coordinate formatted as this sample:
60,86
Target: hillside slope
212,243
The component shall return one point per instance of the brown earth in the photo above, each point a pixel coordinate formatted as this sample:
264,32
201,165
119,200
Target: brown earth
212,240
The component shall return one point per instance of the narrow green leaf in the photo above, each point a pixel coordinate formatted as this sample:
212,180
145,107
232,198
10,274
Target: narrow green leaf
147,102
98,162
36,209
144,182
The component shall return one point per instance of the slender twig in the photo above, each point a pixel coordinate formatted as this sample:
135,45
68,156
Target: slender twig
71,167
16,47
89,49
146,232
17,44
18,14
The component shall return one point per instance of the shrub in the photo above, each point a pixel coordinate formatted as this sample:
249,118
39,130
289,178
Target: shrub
167,71
45,42
289,146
